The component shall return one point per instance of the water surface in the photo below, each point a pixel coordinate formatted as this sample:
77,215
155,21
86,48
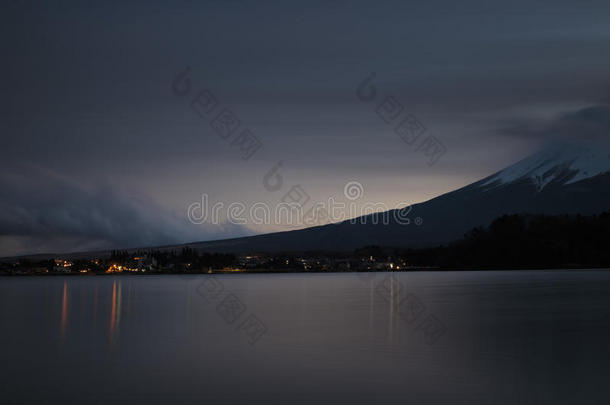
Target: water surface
538,337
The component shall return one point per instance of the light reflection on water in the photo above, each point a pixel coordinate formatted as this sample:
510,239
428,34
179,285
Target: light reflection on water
64,311
89,310
521,337
115,311
112,296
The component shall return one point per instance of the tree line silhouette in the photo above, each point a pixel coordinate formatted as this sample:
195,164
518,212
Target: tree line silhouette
524,241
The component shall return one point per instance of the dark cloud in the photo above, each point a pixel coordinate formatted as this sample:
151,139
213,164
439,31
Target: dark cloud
592,123
586,124
41,211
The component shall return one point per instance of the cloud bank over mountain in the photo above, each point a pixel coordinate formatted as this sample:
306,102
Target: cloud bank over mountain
43,212
589,124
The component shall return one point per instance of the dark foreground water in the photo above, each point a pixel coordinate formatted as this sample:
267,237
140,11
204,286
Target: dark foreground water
516,337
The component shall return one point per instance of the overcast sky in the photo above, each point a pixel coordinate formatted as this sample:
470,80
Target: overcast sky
99,151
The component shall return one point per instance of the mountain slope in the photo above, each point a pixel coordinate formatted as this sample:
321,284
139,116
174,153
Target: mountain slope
558,180
564,164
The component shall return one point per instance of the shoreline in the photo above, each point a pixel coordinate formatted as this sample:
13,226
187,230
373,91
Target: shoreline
284,271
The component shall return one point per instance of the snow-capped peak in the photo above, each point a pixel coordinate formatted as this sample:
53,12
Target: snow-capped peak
563,163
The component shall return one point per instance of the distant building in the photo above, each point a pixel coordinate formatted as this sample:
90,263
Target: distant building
62,266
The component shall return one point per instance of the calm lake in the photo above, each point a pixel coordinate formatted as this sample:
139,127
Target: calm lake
539,337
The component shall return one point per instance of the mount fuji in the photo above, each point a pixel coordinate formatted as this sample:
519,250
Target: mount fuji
562,179
562,164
